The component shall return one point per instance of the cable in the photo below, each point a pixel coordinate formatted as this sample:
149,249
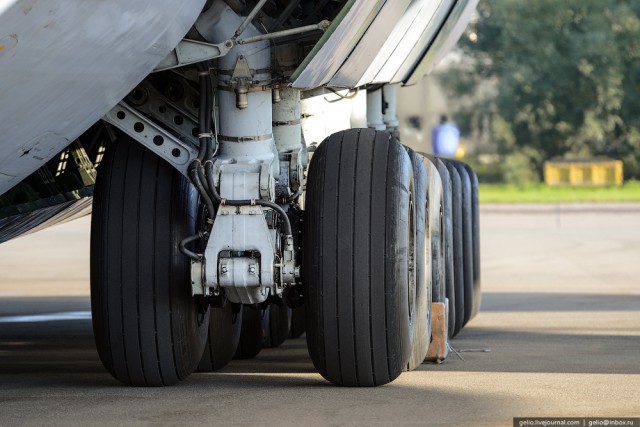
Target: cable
184,242
195,179
293,197
259,202
349,95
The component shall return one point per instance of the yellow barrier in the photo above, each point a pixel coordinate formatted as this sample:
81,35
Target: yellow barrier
578,173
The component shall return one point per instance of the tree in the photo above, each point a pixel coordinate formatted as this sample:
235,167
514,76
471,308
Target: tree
567,76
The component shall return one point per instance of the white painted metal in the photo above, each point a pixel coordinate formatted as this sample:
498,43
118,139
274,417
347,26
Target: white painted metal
287,130
381,42
177,153
410,40
445,40
217,25
359,110
64,64
368,55
339,46
246,163
192,51
241,232
374,110
389,96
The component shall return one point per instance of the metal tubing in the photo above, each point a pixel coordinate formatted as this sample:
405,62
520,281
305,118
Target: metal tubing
389,97
374,110
322,25
249,18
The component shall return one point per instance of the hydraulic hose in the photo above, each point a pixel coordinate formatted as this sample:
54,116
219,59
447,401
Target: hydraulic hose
208,117
183,246
195,179
259,202
202,111
202,177
205,114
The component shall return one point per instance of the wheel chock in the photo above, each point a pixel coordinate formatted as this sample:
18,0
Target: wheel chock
439,347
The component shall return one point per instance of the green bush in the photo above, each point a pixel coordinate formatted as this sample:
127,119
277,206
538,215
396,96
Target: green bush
517,169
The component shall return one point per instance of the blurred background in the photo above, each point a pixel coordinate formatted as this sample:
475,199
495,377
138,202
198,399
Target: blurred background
533,82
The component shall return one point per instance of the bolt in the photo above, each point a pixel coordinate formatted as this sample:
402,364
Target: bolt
252,269
224,269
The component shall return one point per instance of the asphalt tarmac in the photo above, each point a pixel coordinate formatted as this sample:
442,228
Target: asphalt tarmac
558,334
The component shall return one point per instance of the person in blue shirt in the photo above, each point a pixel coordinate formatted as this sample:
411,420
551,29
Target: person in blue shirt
445,138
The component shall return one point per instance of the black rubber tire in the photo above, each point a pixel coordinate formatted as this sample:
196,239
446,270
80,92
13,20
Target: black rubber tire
458,250
475,229
297,322
467,240
276,320
149,330
359,299
422,323
225,324
447,226
251,334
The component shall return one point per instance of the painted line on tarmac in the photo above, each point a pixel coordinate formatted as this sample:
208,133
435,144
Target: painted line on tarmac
47,317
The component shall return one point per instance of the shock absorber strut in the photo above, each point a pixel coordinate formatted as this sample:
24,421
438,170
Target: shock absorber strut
249,253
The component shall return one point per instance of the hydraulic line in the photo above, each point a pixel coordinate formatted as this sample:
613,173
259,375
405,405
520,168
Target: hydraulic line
249,18
293,197
194,172
208,117
183,246
259,202
194,175
203,180
202,111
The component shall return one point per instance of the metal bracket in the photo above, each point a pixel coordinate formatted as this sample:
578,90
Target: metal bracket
242,70
177,153
190,52
146,99
197,274
241,80
241,231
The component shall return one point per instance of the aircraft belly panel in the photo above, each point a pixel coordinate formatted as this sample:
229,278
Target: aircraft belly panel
64,64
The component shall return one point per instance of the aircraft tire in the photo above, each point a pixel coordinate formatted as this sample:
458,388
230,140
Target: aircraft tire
359,234
251,333
458,250
447,230
276,321
225,324
467,239
436,231
475,227
422,323
149,330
